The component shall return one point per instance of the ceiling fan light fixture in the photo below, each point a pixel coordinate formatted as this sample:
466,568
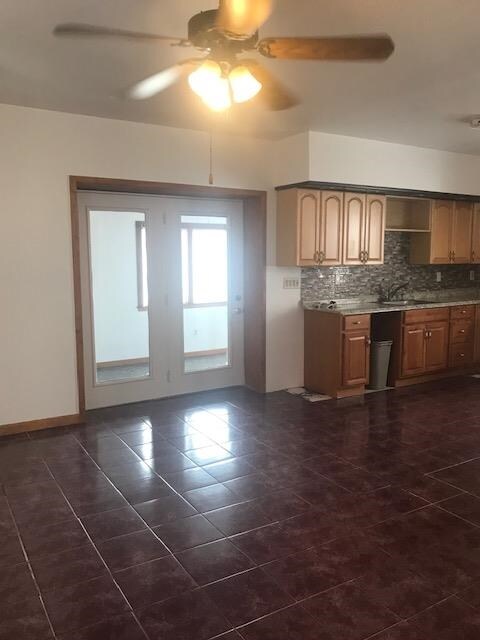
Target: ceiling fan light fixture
244,84
211,86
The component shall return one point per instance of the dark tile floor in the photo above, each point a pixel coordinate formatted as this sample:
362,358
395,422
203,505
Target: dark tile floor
245,517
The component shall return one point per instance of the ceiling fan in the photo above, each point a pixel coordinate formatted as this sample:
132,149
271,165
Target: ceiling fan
221,77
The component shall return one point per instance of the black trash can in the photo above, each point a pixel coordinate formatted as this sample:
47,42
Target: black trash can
379,362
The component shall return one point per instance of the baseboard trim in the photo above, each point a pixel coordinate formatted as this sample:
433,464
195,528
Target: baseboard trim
43,423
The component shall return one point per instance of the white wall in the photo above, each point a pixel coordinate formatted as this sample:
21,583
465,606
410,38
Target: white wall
370,162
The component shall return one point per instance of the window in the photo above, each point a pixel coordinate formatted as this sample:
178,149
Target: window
204,261
142,276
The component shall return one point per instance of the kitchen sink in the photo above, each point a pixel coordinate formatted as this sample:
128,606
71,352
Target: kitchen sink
404,303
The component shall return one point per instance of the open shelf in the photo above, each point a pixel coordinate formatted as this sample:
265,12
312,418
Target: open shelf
410,215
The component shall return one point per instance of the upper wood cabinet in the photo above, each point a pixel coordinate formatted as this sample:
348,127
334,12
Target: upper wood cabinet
331,228
309,228
451,236
375,229
364,229
475,248
441,235
462,232
354,228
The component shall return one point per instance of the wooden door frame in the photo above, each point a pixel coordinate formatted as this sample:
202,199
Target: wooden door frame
255,262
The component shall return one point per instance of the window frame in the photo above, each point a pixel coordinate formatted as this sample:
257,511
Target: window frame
140,227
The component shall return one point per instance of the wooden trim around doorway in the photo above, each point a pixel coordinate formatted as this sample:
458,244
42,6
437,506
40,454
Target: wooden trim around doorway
254,247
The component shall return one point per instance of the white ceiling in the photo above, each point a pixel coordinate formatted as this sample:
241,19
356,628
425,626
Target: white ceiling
421,96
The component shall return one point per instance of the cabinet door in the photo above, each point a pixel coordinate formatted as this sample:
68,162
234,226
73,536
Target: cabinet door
436,346
476,356
413,352
331,228
475,253
441,238
308,217
354,228
375,229
462,232
356,357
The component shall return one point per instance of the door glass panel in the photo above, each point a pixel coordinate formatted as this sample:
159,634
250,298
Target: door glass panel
118,267
204,242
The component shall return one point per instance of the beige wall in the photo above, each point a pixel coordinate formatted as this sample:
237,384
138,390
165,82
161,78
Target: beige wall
40,149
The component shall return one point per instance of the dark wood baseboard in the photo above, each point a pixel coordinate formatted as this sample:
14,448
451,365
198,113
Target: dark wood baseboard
43,423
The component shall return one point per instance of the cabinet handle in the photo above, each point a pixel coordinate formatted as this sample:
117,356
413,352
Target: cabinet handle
315,256
462,330
362,256
356,322
462,355
453,256
368,342
321,256
473,256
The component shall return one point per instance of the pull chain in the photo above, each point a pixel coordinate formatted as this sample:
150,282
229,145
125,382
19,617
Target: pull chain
210,177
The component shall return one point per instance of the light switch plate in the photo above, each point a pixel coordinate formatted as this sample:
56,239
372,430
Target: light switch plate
291,283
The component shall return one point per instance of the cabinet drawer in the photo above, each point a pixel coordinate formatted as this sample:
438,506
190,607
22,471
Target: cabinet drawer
416,316
461,355
463,313
356,323
461,331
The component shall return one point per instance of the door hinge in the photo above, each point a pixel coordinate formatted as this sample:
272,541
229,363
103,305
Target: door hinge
169,376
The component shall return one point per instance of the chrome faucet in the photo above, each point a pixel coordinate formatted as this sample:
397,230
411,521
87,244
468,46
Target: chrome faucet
388,293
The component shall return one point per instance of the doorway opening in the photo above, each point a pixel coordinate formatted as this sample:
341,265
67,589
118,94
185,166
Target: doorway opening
170,291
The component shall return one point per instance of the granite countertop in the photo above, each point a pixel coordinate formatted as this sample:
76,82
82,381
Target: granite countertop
354,307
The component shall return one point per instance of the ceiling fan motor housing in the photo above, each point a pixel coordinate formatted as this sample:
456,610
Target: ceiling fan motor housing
204,33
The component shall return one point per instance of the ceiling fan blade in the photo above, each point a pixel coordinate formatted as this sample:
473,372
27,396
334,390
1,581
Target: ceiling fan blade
348,48
274,94
92,31
160,81
243,17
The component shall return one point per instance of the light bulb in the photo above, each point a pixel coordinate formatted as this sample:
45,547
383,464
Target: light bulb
244,85
208,83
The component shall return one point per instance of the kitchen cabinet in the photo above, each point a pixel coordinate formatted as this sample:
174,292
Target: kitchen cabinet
436,346
425,340
356,357
462,221
413,356
475,247
450,238
364,229
329,228
337,353
476,338
309,228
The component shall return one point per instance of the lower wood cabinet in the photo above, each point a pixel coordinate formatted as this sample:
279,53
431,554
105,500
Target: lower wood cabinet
426,343
356,357
337,353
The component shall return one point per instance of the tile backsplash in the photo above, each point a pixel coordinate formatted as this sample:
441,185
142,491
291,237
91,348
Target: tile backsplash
321,283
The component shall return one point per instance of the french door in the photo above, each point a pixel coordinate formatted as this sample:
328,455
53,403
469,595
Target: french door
162,296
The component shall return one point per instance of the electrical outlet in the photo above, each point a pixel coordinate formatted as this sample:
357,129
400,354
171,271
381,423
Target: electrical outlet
439,276
291,283
472,275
